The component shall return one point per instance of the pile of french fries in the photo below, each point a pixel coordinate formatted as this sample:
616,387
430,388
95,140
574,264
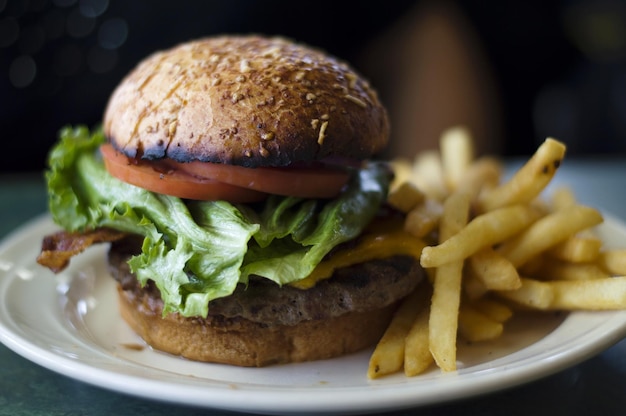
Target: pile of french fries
494,247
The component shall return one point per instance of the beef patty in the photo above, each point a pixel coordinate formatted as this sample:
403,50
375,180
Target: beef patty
366,286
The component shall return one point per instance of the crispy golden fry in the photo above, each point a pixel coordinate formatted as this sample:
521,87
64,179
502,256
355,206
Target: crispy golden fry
457,154
428,174
493,309
533,266
483,231
529,181
549,231
444,310
455,215
417,356
388,356
494,270
484,174
577,249
424,218
597,294
472,286
443,321
560,270
613,261
562,197
402,172
405,197
532,293
475,326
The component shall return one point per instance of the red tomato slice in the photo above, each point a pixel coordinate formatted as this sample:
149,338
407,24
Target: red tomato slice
305,182
173,182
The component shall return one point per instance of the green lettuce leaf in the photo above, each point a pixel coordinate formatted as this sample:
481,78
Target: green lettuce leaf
197,251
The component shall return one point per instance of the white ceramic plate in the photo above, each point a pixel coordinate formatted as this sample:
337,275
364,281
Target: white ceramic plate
69,324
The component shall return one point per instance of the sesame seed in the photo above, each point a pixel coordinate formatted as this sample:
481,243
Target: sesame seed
171,128
244,65
263,151
352,79
236,97
273,51
322,134
355,100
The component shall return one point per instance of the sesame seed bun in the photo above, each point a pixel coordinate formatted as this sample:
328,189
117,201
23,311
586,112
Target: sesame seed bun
245,100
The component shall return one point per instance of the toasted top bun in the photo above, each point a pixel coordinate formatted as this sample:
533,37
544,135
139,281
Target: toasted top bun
245,100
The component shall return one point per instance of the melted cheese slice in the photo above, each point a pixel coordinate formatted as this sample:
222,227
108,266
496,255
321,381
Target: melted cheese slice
377,244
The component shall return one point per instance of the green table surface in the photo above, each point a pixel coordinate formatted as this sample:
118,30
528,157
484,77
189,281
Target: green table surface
594,387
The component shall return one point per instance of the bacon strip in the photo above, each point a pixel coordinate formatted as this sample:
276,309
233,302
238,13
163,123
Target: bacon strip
57,249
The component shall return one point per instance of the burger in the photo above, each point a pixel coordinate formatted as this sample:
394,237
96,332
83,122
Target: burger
235,179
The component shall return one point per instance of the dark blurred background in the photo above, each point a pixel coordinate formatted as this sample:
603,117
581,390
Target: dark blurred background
515,71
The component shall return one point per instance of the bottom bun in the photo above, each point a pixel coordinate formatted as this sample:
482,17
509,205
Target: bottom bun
245,343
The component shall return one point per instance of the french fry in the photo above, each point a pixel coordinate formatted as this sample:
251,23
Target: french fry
417,356
533,266
455,215
402,172
613,261
483,231
577,249
424,218
493,309
532,293
473,287
475,326
457,154
405,197
388,355
443,320
428,174
444,310
484,174
562,197
597,294
494,270
529,181
560,270
549,231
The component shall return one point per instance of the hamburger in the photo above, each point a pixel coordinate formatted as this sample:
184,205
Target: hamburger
233,178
